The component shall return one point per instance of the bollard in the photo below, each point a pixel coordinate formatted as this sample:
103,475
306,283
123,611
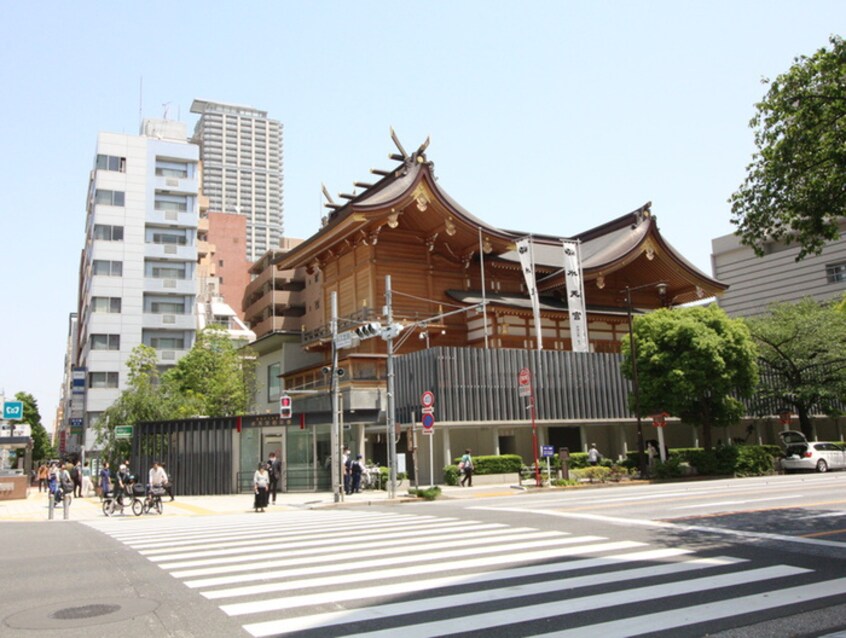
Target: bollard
51,500
564,458
66,506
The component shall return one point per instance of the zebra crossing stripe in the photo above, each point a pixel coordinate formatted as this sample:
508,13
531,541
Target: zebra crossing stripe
460,566
200,549
488,620
504,593
543,541
316,549
706,612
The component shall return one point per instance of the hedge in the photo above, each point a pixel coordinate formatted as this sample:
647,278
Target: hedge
501,464
730,460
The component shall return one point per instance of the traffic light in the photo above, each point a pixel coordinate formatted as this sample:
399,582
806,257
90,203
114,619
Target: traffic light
285,406
370,329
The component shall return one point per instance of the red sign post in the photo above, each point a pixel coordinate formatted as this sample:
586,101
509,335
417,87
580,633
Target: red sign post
524,387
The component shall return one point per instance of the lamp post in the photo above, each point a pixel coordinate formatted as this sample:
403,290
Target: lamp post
662,292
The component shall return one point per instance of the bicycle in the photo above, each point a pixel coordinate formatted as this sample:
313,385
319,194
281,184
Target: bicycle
152,501
118,501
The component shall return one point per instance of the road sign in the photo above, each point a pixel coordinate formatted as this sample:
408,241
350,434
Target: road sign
428,421
429,431
547,451
427,410
428,399
123,431
524,382
348,339
13,410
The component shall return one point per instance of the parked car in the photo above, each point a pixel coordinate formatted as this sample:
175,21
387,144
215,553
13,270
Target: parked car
800,454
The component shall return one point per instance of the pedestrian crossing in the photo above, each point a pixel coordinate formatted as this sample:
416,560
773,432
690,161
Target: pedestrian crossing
379,574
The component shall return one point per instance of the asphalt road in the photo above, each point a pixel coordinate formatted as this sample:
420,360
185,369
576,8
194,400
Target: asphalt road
748,557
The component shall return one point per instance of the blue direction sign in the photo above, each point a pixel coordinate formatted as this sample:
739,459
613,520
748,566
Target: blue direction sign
547,451
13,410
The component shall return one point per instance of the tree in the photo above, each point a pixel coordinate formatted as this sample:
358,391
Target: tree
215,377
693,363
42,448
794,185
803,350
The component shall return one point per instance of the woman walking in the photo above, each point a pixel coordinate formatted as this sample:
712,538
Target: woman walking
261,481
467,468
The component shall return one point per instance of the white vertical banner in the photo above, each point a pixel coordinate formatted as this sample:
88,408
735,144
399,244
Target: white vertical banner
527,263
575,297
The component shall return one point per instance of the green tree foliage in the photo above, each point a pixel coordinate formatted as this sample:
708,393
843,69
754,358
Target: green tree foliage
215,376
41,447
213,379
803,350
693,363
794,185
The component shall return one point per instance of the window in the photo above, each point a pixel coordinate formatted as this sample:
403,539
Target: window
171,169
109,198
107,268
111,163
169,238
167,271
102,379
108,233
167,343
274,383
105,304
836,273
105,342
178,203
167,307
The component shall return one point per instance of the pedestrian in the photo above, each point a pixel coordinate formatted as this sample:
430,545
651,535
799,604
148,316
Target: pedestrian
346,463
87,485
466,467
124,483
105,480
66,483
274,471
651,452
168,484
594,457
76,479
356,468
261,481
42,476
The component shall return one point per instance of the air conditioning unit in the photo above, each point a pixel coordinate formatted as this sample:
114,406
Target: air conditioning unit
169,283
171,181
168,318
171,215
168,355
170,249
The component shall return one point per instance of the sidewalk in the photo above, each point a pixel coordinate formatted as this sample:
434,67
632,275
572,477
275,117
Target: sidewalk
35,506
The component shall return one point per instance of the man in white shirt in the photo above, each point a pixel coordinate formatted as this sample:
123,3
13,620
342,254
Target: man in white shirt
158,477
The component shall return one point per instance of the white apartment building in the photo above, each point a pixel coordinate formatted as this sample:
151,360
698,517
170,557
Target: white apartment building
138,266
241,151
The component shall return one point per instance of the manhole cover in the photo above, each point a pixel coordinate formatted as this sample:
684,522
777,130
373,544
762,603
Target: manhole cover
86,611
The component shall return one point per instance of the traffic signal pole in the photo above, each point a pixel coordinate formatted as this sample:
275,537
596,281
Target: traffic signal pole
391,416
335,438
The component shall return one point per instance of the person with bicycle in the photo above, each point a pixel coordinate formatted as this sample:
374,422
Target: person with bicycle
124,484
157,480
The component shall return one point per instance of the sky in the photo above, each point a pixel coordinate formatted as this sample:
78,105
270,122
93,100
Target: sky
549,117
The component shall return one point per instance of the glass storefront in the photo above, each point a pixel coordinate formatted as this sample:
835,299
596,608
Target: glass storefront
304,453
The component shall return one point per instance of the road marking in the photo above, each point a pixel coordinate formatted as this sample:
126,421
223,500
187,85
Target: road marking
629,522
469,623
394,590
828,533
707,612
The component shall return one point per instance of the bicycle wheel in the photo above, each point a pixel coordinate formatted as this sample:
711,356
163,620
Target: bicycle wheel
158,505
137,507
108,507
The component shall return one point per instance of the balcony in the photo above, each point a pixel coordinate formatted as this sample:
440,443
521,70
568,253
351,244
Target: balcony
172,218
170,285
168,321
170,251
284,298
267,275
177,184
278,324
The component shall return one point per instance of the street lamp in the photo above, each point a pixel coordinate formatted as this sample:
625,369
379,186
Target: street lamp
661,287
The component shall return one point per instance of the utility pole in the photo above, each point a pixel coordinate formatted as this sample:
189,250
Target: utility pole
390,417
335,436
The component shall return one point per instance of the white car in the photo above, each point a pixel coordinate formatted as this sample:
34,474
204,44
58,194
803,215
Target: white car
799,454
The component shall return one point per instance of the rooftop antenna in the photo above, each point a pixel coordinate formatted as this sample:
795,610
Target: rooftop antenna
166,106
140,100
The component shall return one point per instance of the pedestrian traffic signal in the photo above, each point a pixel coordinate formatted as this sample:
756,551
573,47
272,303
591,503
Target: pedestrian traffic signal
370,329
285,407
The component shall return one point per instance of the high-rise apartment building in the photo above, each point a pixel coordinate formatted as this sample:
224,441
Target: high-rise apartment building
241,151
138,267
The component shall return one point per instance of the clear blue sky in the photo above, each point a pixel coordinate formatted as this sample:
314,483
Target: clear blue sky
548,117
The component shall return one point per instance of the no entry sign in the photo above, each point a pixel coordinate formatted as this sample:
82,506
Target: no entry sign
524,382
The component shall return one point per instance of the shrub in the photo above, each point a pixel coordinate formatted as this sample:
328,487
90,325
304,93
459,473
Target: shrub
451,475
428,493
564,482
671,468
594,473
